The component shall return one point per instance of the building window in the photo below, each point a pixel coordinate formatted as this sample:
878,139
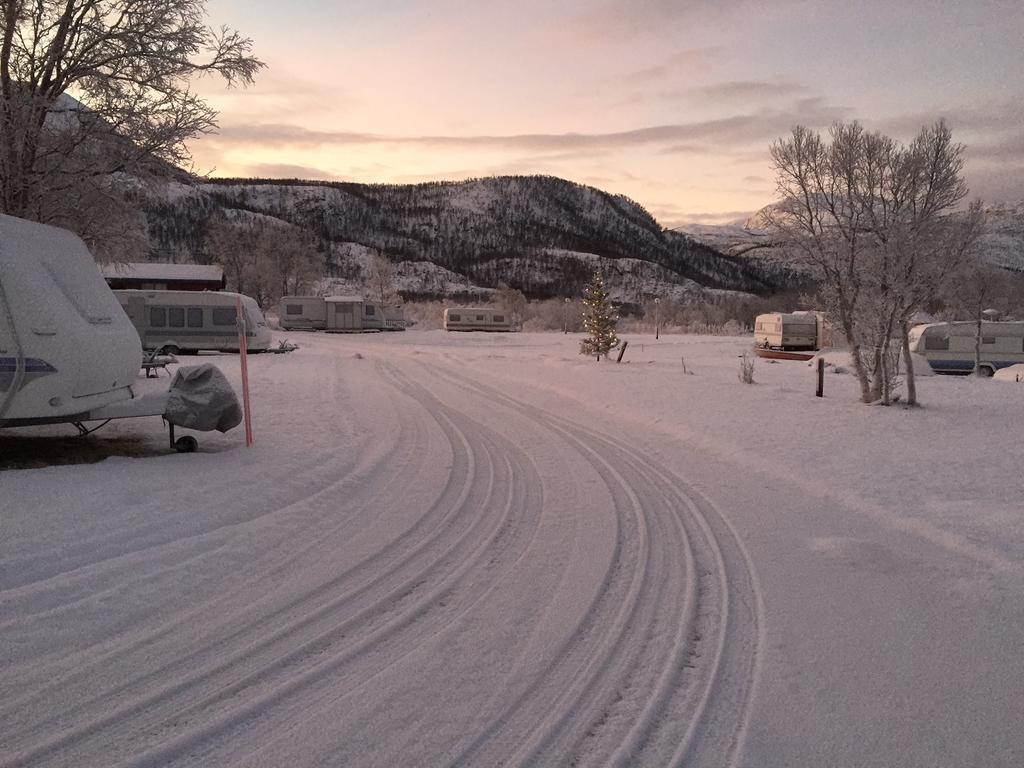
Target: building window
293,309
176,317
936,342
369,310
195,317
158,317
224,316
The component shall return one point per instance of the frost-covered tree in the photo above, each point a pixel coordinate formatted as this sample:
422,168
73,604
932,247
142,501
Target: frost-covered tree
873,220
512,300
599,319
93,89
380,279
263,258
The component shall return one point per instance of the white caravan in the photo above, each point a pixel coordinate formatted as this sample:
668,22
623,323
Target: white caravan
66,348
788,331
950,347
302,313
338,313
188,321
477,319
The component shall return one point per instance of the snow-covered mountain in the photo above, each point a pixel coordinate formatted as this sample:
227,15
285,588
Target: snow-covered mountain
1002,243
539,234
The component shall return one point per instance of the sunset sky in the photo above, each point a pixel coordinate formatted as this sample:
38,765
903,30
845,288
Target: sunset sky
673,103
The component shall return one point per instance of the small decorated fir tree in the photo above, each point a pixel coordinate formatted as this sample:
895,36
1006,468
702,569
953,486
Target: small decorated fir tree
599,319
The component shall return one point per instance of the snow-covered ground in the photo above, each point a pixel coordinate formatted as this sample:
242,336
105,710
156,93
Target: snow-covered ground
487,550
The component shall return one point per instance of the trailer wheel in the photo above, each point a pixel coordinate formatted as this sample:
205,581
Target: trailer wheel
186,444
170,349
986,371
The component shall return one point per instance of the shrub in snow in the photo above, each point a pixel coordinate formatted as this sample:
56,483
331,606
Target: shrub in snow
747,369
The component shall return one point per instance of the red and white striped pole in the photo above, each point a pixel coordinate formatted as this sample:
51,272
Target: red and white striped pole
243,348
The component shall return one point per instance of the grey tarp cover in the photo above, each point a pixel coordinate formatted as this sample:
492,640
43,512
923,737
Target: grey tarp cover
201,398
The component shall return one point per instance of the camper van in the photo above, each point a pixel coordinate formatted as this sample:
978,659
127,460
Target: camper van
188,321
302,313
477,319
66,348
950,347
338,314
788,331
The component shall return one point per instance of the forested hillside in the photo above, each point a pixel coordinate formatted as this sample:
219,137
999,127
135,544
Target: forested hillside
541,235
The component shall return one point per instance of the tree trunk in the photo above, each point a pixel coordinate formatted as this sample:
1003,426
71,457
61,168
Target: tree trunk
911,384
977,346
883,375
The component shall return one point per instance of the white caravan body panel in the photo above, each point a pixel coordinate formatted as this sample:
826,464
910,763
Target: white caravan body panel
66,346
302,313
477,319
950,347
189,321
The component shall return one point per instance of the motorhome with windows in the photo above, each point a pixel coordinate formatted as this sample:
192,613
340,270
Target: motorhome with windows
338,314
188,321
477,319
951,347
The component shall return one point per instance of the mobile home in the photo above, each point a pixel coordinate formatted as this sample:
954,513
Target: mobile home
477,319
788,331
188,321
338,314
352,314
302,313
950,347
66,347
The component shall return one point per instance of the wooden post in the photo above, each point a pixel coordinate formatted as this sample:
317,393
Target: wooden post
243,348
821,378
622,351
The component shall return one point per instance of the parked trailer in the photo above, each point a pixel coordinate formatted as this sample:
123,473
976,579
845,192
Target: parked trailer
477,319
950,347
339,314
66,347
302,313
188,321
788,331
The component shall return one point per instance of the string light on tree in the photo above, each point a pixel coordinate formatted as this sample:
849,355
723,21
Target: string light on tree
599,319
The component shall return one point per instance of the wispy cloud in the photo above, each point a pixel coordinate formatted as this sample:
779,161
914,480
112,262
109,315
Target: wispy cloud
687,62
620,19
740,92
736,131
288,171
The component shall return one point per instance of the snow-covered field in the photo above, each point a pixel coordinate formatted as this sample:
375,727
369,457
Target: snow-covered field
487,550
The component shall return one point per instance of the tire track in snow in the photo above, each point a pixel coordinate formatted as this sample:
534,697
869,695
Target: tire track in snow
78,668
241,690
699,711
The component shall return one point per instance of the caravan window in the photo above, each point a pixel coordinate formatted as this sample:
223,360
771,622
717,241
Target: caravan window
499,318
158,317
195,317
988,339
936,342
224,316
454,318
480,318
369,310
293,309
176,317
